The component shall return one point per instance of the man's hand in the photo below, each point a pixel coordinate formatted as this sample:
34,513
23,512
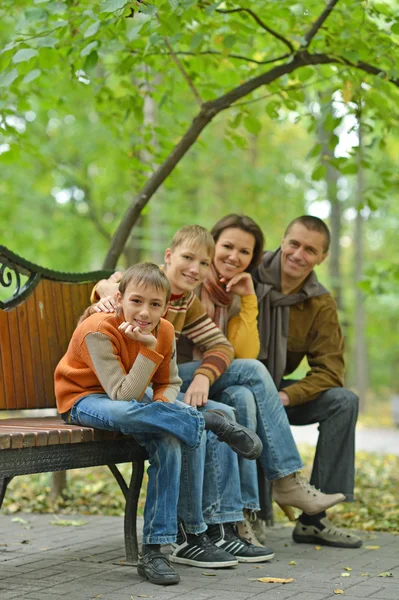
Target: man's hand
285,399
198,391
241,284
135,333
107,305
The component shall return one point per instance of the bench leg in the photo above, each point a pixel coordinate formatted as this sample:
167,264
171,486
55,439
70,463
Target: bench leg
132,500
4,481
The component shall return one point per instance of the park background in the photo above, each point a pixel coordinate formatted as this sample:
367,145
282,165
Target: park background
95,100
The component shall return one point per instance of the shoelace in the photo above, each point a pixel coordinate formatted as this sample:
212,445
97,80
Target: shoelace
305,485
248,530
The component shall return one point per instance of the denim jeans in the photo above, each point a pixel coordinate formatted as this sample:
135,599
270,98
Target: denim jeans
163,429
210,482
247,386
334,463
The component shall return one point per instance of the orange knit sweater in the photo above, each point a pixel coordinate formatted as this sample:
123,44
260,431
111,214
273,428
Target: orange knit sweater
125,363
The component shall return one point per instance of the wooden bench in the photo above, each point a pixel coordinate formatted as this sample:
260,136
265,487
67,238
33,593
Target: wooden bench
36,324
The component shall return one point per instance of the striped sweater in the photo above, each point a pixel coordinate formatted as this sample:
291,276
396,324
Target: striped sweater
101,359
189,317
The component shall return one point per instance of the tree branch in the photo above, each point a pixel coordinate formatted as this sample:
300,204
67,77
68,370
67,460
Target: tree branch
319,22
207,112
217,53
261,23
183,72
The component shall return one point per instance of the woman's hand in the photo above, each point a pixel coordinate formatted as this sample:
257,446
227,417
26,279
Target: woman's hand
241,284
198,391
107,305
135,333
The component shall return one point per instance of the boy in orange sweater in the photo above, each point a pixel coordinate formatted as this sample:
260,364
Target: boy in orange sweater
102,382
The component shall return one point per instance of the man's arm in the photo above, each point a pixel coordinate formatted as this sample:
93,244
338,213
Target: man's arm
325,355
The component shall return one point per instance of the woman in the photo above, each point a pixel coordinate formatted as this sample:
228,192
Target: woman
229,297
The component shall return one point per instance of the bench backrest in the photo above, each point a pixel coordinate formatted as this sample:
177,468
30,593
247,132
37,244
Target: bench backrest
36,324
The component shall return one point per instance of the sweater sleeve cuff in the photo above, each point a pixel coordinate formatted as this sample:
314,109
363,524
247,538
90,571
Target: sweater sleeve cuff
151,354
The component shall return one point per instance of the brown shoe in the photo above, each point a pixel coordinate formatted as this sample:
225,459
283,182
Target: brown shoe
245,528
295,490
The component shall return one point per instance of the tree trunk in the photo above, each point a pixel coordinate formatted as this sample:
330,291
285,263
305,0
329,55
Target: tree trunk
360,347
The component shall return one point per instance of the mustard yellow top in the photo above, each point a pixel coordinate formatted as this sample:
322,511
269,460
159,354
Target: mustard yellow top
242,329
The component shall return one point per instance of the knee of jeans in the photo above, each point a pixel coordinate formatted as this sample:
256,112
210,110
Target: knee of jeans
242,399
227,410
346,399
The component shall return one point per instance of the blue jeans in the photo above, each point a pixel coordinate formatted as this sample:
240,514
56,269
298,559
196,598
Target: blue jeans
210,482
247,386
163,429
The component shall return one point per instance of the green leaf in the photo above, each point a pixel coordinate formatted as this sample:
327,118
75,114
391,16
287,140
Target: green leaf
319,173
395,28
109,6
196,41
68,523
385,574
272,109
47,42
6,79
87,49
35,14
90,61
229,41
31,76
24,55
252,124
315,151
350,169
92,29
148,9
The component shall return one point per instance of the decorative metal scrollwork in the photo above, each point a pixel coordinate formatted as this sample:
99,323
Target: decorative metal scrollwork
6,277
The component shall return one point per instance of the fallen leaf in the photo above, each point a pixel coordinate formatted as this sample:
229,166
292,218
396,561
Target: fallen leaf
385,574
372,547
365,574
318,547
209,574
142,596
292,562
19,520
339,591
275,580
345,574
348,568
68,523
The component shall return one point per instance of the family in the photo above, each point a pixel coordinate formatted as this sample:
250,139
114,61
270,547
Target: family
192,359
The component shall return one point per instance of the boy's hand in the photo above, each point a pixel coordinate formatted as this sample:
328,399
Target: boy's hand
135,333
198,391
241,284
107,305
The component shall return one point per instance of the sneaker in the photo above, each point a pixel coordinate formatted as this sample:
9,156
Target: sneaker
155,567
242,440
245,528
295,490
225,536
199,551
325,535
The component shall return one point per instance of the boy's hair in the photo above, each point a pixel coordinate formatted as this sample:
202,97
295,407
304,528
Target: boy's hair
194,235
313,224
245,223
146,274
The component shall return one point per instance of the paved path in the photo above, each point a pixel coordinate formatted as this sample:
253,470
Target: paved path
41,561
383,441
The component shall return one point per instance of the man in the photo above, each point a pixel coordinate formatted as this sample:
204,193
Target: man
298,318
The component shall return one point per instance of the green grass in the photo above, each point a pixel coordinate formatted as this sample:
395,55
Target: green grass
94,491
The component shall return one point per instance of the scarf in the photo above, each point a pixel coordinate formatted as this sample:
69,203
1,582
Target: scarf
274,311
215,299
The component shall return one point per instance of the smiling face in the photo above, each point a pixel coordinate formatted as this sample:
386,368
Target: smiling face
233,252
142,305
301,250
186,267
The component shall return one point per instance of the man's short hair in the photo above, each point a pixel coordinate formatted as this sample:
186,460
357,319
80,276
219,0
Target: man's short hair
146,274
194,235
313,224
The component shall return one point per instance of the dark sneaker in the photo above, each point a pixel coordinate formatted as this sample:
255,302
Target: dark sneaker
199,551
155,567
242,440
225,536
325,534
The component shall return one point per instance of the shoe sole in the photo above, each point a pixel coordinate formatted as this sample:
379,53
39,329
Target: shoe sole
255,559
312,539
160,581
202,564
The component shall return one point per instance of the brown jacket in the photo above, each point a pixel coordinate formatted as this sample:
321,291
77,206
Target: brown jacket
314,332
